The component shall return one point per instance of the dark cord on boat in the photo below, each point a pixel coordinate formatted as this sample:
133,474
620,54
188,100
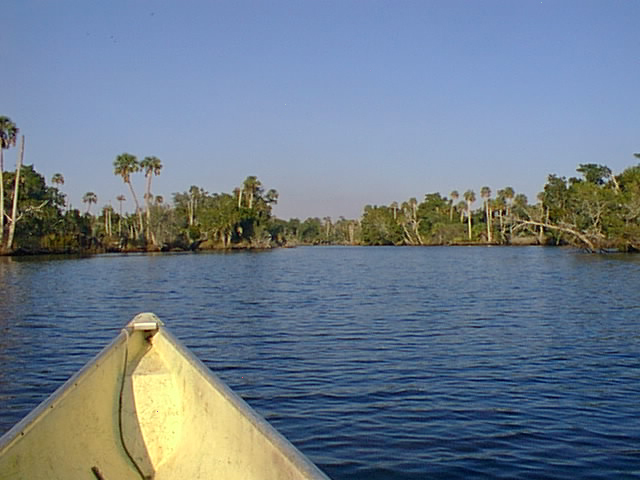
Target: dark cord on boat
121,401
96,471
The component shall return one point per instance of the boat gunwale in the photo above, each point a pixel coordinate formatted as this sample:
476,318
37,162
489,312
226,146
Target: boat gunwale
25,424
279,441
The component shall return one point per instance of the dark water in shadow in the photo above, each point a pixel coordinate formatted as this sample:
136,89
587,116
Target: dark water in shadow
395,363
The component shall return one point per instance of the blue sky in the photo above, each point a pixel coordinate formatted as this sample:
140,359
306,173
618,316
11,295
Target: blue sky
334,103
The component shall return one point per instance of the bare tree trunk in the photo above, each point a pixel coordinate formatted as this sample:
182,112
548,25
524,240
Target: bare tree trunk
615,183
138,210
541,235
239,198
407,235
147,201
1,198
589,245
107,221
120,222
488,215
150,235
469,218
416,227
14,209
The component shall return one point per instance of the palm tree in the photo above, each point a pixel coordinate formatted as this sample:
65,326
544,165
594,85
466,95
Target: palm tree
509,193
252,186
462,205
520,201
394,207
8,135
499,205
454,196
89,198
57,179
195,194
120,199
151,167
271,197
238,193
485,193
469,197
124,165
106,212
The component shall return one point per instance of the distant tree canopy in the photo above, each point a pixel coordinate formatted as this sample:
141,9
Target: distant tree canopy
241,219
596,211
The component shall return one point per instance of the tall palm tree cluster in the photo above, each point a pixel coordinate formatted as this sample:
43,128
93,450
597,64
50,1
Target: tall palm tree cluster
439,220
196,219
127,164
35,213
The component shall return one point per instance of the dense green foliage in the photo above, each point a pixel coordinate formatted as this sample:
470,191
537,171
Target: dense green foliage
598,211
41,222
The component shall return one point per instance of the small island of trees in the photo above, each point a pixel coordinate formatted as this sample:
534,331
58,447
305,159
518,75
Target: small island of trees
595,211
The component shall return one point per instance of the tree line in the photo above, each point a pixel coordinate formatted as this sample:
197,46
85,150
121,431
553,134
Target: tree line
596,211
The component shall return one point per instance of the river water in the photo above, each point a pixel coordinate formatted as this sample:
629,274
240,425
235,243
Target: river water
394,363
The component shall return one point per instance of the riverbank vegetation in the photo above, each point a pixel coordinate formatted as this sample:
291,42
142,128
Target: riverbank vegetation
597,211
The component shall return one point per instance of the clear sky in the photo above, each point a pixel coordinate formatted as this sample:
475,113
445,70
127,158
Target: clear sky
334,103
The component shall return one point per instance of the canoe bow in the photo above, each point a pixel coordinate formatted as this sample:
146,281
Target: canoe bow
146,407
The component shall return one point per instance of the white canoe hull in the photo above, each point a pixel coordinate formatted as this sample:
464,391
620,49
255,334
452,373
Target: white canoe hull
145,407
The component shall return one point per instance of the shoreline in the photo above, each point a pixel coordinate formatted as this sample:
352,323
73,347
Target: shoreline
173,251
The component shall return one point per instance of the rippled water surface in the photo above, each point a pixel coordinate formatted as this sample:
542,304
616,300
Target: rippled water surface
394,363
